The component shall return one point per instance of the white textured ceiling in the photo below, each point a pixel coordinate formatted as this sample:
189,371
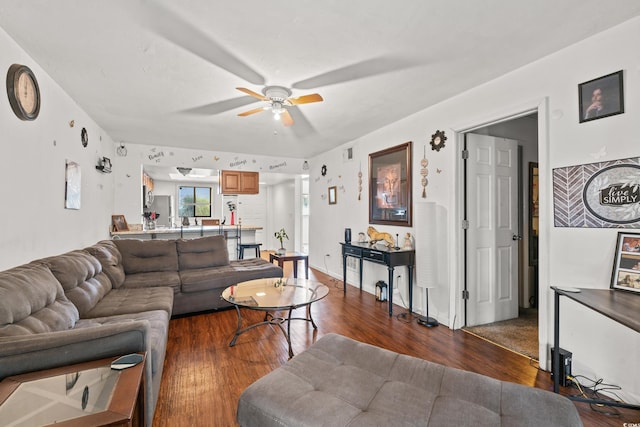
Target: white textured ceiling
165,72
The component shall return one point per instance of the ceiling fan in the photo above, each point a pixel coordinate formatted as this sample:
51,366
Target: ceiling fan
278,98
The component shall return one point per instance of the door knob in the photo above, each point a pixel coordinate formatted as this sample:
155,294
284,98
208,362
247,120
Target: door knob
516,237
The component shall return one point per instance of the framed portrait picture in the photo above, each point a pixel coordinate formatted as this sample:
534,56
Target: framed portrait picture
626,263
390,186
333,197
601,97
119,223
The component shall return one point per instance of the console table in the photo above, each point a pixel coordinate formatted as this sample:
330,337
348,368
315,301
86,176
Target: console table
620,306
390,257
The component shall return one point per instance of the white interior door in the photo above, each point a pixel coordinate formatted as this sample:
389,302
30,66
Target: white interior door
492,236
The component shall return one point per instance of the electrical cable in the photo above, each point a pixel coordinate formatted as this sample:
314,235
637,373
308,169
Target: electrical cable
326,271
594,390
404,315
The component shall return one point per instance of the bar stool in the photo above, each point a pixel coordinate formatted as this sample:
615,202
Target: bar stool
255,246
243,246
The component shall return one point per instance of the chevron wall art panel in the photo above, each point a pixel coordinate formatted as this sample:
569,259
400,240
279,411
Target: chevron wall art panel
598,195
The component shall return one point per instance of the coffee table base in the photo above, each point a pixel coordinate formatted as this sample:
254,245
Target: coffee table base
271,319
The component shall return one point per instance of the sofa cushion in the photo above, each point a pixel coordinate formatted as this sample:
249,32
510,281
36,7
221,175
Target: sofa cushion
33,301
131,301
109,256
81,277
143,256
169,279
201,253
203,279
159,326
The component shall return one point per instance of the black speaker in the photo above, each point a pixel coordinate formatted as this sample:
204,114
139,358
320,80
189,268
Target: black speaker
347,235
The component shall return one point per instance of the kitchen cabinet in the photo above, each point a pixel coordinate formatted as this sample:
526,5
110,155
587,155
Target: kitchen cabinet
239,182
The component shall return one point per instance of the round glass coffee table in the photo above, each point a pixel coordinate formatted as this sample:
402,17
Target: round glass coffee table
273,295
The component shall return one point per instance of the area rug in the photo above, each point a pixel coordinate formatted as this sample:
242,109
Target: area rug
519,335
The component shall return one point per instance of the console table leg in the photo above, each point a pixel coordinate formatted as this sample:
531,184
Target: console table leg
344,274
556,341
410,281
390,296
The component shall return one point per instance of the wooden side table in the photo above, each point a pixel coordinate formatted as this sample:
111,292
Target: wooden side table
294,257
84,394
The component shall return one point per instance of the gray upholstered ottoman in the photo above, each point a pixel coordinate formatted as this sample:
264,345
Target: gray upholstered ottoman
341,382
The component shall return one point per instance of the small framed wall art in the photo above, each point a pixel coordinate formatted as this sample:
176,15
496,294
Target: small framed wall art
626,264
333,195
72,185
119,223
601,97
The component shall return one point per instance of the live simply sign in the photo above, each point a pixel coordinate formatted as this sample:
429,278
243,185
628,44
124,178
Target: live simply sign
603,194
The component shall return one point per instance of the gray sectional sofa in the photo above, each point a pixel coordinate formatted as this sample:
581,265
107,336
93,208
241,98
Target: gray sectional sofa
342,382
113,298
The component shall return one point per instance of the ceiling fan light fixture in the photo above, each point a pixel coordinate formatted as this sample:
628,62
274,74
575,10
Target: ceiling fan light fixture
184,171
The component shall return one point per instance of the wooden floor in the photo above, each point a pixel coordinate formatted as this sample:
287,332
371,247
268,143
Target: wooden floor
203,377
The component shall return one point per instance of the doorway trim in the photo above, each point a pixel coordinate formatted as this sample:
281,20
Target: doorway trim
456,303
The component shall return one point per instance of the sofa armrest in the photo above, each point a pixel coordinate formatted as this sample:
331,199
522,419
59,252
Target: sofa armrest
27,353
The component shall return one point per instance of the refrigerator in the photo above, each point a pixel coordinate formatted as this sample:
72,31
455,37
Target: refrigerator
162,206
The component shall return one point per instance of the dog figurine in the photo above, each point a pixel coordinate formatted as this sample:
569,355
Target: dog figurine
376,236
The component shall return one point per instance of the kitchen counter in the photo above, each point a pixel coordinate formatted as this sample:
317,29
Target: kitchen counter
188,232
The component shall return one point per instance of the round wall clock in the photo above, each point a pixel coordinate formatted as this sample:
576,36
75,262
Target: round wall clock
23,92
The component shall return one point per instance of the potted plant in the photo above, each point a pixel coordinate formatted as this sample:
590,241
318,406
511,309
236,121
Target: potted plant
281,235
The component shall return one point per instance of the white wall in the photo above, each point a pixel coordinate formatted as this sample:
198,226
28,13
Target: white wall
573,257
34,221
282,214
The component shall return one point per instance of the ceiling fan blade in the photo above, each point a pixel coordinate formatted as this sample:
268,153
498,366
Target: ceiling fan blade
248,113
168,24
286,118
221,106
303,127
359,70
306,99
252,93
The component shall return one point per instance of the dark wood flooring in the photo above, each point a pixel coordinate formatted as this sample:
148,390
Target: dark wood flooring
203,377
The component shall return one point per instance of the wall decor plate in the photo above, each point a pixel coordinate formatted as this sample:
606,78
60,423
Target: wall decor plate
84,137
600,195
437,140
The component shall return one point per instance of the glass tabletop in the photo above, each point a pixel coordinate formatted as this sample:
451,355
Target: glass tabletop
58,398
275,293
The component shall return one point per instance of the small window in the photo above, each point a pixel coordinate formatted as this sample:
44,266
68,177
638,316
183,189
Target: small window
195,202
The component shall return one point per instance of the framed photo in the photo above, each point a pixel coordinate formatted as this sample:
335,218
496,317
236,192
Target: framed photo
333,197
72,185
390,186
626,264
119,223
601,97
